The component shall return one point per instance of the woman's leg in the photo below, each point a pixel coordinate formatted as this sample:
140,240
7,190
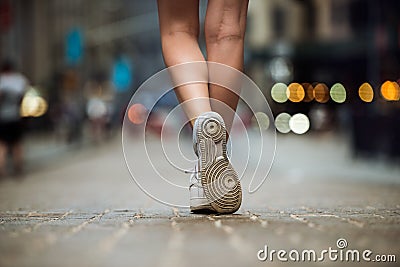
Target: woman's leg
225,27
179,26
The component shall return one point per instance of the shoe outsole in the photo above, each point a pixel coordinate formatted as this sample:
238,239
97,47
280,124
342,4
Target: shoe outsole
202,210
220,181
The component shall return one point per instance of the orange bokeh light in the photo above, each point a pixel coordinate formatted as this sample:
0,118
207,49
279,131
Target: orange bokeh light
309,92
295,92
390,91
137,113
321,93
366,93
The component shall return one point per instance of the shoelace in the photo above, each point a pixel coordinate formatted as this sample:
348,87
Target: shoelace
192,171
193,176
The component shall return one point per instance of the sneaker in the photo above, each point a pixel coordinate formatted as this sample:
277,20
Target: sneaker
215,186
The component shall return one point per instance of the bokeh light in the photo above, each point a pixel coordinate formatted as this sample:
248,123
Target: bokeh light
96,108
295,92
261,120
282,122
366,93
278,92
137,113
33,105
338,93
281,69
390,91
299,123
321,93
309,92
42,107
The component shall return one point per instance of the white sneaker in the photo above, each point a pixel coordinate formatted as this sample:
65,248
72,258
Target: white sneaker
215,186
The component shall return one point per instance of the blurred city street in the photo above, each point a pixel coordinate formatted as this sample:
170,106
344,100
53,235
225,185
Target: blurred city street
92,123
83,209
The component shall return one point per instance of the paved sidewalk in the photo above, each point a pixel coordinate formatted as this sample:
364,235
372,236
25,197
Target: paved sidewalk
84,210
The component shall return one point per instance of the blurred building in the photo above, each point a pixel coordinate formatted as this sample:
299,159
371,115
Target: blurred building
350,42
60,45
34,33
329,32
310,41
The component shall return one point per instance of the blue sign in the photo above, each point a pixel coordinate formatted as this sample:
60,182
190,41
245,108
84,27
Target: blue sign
122,75
74,46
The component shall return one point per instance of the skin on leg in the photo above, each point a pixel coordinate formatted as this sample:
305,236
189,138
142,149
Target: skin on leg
225,27
179,27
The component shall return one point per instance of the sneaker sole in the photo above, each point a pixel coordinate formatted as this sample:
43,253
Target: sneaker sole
220,181
199,207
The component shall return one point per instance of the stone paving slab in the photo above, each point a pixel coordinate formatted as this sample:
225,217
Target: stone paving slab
176,237
86,211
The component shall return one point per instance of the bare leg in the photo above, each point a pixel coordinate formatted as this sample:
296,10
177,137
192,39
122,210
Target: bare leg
225,27
179,26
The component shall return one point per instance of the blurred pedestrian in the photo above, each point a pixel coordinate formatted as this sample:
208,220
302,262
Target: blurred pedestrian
13,86
99,97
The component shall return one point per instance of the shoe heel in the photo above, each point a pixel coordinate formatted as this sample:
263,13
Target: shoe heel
212,128
222,186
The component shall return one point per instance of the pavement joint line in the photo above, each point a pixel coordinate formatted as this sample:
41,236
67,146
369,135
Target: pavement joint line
319,215
300,218
307,222
32,213
172,255
354,222
138,215
51,238
30,229
379,216
121,210
309,209
227,229
218,224
81,226
36,226
211,217
238,243
256,218
174,224
176,212
109,243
